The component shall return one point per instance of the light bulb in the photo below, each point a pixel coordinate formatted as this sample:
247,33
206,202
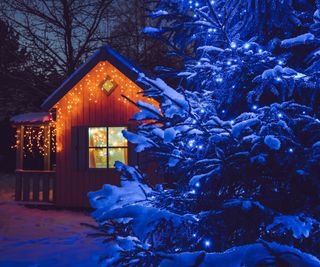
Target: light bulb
246,45
207,243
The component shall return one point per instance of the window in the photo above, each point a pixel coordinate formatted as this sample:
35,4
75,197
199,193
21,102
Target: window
106,145
108,85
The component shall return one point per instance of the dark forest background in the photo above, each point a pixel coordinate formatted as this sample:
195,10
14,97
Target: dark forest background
44,41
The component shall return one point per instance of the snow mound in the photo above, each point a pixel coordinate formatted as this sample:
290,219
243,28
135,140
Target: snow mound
147,112
272,142
151,30
299,226
248,255
299,40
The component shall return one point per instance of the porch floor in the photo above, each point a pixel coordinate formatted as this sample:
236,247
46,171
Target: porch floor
44,237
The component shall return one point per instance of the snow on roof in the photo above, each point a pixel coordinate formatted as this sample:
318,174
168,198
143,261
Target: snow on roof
32,117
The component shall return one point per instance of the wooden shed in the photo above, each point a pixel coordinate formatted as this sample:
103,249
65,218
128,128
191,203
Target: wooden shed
89,113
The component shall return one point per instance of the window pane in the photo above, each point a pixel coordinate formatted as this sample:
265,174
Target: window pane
97,158
98,136
115,137
119,154
108,85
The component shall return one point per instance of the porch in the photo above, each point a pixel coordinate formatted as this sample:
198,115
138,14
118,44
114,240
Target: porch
35,158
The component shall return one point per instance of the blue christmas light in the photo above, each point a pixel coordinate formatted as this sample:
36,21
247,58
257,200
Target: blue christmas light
233,45
207,243
278,79
291,150
191,143
219,80
200,146
254,107
280,115
223,111
193,191
197,184
202,110
246,45
232,121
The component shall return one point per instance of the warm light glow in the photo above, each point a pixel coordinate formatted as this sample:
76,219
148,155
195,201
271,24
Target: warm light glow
106,146
98,137
89,91
97,158
108,85
35,139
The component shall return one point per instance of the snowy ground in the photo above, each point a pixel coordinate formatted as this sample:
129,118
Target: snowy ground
7,181
44,237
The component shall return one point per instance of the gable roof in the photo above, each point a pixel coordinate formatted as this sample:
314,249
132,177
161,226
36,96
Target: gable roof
104,53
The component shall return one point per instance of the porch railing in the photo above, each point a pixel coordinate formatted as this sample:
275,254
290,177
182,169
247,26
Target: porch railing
36,186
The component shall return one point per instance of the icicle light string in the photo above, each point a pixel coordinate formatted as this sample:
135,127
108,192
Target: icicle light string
35,139
91,86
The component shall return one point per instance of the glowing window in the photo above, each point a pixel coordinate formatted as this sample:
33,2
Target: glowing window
108,85
106,145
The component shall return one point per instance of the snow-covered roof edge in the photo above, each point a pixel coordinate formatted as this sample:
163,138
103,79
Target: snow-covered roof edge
31,118
104,53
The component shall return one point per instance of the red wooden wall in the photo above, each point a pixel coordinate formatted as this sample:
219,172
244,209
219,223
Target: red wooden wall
88,105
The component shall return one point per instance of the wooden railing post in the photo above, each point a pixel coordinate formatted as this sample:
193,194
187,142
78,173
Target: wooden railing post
18,187
19,147
26,187
47,147
42,182
35,187
46,188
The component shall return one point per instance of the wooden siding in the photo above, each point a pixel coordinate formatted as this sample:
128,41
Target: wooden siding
87,105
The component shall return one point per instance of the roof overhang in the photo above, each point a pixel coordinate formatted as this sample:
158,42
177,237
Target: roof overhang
104,53
32,118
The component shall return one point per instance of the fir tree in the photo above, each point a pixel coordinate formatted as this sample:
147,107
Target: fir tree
237,138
